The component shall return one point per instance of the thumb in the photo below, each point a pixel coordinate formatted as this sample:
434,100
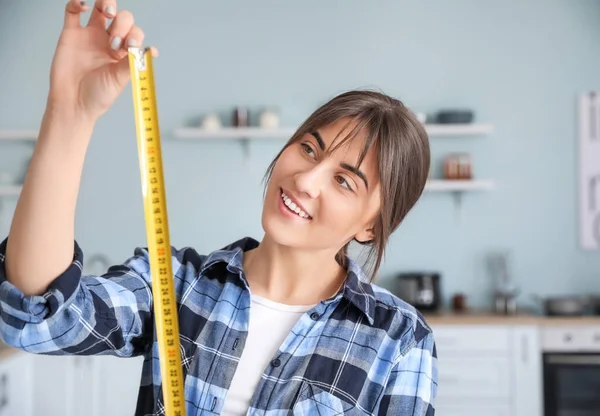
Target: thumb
121,70
72,13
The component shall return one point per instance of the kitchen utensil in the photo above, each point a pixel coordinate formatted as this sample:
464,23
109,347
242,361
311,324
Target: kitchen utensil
505,290
459,302
420,289
458,166
454,116
568,305
241,117
269,119
211,122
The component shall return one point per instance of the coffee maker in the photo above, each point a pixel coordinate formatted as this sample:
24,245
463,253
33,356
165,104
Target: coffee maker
420,289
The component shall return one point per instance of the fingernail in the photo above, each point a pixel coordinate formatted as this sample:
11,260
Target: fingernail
132,43
116,43
110,10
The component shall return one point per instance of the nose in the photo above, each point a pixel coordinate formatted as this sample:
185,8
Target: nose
310,182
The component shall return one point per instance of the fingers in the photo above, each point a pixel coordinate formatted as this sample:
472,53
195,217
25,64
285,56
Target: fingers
102,12
135,37
119,33
73,9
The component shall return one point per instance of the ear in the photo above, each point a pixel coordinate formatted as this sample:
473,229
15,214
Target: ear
366,236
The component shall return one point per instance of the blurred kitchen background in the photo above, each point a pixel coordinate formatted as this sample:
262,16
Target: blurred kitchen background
506,236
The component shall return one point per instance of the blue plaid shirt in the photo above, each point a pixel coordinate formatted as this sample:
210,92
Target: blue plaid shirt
362,352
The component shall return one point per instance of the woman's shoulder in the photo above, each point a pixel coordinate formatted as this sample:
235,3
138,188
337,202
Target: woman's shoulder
398,316
191,259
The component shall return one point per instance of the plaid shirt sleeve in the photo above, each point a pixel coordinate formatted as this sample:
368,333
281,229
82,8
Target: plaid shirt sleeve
108,314
412,386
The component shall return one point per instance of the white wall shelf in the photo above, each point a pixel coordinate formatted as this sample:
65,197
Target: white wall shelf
457,188
27,135
234,133
257,133
458,130
10,190
444,185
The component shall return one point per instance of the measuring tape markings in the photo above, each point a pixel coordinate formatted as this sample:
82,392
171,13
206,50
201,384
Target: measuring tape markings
157,229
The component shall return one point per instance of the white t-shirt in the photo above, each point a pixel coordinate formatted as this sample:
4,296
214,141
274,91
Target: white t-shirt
270,324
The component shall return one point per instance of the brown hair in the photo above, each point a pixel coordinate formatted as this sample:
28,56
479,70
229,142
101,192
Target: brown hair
403,156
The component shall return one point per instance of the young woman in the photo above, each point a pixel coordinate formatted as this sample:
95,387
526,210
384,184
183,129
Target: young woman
290,325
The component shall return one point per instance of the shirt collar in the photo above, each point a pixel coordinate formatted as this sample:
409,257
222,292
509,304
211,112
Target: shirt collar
356,289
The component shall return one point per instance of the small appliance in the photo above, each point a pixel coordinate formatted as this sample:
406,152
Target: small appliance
420,289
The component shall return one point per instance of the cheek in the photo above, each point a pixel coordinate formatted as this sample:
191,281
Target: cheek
288,162
344,210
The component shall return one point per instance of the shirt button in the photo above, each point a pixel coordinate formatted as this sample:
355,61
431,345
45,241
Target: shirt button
276,362
314,316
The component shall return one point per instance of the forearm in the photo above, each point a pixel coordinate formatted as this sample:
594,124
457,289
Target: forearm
40,243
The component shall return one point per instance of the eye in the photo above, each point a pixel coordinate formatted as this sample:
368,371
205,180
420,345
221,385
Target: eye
343,182
306,148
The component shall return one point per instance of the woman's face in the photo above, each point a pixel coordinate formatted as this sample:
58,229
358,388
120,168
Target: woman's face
320,201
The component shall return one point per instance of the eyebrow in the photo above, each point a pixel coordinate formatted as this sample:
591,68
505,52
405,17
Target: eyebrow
319,139
357,172
346,166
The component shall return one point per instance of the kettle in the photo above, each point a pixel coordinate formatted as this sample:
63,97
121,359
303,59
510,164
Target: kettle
420,289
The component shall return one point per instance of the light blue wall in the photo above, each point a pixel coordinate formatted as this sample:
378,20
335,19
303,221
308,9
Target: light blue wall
518,64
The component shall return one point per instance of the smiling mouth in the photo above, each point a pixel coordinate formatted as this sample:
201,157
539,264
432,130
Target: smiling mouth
293,208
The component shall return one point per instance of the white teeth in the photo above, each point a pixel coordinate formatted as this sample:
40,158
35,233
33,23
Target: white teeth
292,206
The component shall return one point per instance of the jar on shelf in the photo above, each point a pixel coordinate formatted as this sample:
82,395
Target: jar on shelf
458,166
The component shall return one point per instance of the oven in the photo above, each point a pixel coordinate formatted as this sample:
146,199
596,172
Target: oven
571,370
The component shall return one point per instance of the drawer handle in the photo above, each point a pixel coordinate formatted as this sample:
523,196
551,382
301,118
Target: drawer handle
568,337
449,379
4,388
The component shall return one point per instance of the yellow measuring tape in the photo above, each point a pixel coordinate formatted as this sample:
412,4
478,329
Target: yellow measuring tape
157,229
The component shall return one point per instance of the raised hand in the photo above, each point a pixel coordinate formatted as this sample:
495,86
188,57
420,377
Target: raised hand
90,67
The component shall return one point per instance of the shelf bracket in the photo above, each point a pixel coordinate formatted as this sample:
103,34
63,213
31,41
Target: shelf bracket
245,142
458,204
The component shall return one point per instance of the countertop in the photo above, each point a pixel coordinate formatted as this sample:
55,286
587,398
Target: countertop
7,352
482,317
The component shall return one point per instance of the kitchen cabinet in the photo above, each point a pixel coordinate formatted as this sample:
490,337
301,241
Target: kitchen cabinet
66,385
488,369
16,371
50,385
120,385
527,379
94,386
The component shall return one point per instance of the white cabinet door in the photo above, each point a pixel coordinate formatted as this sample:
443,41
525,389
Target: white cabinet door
50,386
527,371
120,382
82,387
474,408
16,381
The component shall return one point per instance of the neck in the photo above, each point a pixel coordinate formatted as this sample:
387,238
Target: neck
292,276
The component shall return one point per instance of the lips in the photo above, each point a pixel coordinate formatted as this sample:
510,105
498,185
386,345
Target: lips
294,206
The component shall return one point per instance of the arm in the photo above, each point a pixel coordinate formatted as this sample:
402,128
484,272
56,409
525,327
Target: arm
82,315
46,305
412,386
43,222
89,71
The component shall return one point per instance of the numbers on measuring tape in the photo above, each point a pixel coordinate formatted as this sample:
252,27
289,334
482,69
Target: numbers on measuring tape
148,133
